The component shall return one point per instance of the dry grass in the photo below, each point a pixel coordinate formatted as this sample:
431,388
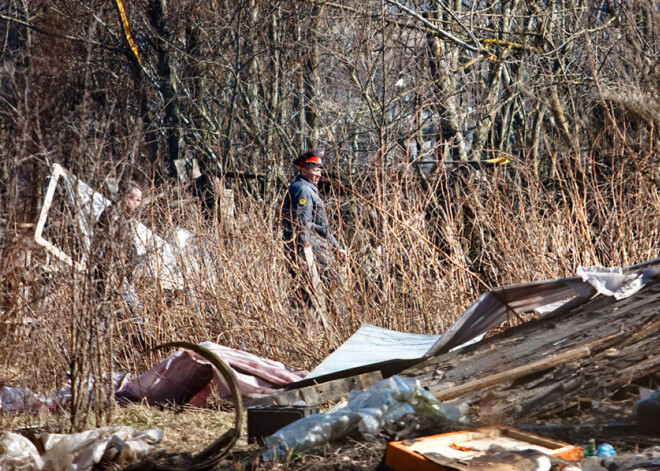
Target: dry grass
187,429
416,262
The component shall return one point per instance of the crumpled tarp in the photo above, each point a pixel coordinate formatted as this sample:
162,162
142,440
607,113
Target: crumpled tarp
367,411
17,399
181,378
14,399
78,451
184,377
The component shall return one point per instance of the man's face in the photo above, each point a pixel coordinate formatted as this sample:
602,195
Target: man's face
133,200
311,172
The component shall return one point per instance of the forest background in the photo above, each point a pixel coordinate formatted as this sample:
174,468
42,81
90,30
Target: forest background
470,144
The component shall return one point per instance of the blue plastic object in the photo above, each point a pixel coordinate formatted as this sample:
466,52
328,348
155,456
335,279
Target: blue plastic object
604,450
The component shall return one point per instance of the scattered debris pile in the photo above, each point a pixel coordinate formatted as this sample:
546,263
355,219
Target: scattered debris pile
546,366
582,362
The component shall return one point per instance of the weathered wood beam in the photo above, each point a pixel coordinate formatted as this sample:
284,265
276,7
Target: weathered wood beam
320,393
521,371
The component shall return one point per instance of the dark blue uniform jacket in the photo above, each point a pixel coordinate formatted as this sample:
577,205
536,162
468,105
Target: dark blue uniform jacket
304,220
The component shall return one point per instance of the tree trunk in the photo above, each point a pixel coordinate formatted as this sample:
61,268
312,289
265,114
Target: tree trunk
442,65
311,77
492,102
167,84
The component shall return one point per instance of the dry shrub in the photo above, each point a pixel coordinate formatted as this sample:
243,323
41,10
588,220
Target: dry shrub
415,263
423,245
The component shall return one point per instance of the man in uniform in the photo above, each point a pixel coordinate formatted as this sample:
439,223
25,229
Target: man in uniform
304,218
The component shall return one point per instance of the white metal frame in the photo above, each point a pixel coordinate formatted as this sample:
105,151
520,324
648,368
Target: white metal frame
58,171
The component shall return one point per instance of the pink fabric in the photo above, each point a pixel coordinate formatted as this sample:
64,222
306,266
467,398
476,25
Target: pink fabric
186,377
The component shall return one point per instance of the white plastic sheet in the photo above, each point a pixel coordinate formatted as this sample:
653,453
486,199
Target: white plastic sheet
78,451
367,411
611,281
17,452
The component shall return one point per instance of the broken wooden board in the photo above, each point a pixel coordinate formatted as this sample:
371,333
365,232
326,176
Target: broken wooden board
521,371
320,394
544,366
474,449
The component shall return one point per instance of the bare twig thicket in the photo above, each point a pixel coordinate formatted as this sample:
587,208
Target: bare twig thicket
567,93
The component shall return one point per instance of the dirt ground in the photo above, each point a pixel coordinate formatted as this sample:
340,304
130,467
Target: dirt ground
189,430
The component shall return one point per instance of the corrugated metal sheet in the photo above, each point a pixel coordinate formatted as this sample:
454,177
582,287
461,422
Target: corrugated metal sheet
371,345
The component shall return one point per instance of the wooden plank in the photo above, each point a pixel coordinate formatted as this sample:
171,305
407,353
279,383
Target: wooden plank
321,308
530,437
524,370
641,334
320,394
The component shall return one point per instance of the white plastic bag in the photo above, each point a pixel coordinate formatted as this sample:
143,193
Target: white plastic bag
80,451
367,411
18,453
77,451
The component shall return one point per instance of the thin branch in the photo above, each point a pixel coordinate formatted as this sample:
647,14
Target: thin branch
58,35
460,23
440,31
431,29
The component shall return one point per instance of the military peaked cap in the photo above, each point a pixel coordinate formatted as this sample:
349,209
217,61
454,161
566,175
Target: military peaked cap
314,156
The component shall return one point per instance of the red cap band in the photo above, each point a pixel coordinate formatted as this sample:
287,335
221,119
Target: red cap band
314,156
